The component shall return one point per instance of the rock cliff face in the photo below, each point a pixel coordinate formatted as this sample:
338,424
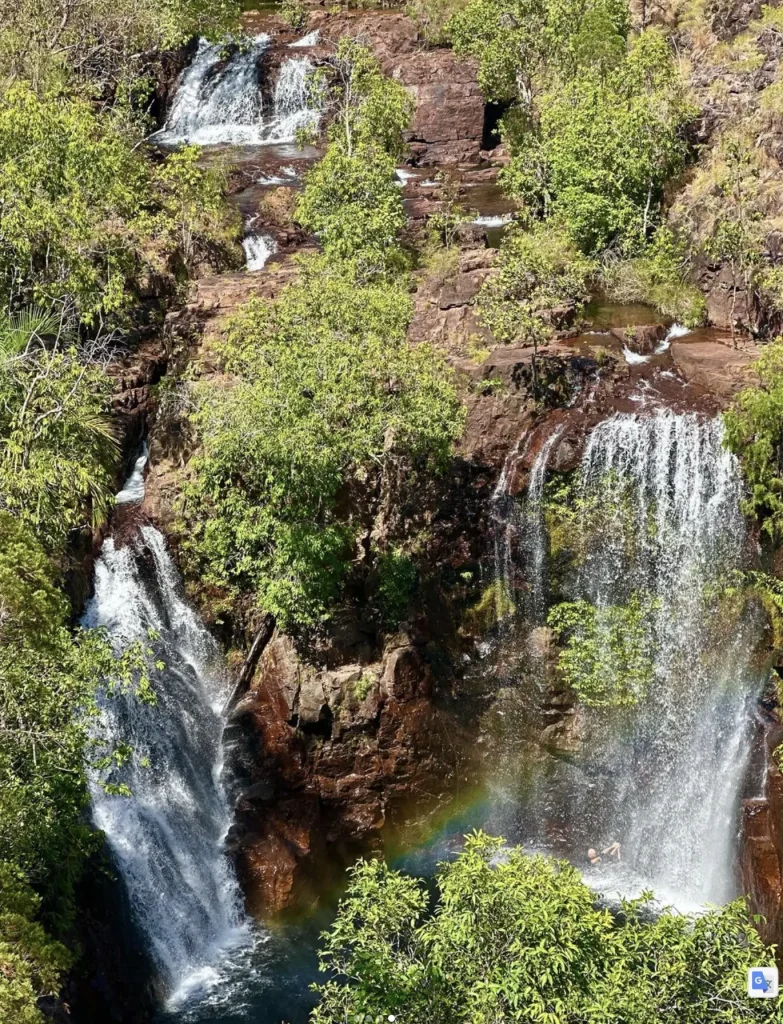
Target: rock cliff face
334,755
448,121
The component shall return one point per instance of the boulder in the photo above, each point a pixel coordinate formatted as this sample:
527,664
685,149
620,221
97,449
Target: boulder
718,367
331,755
642,339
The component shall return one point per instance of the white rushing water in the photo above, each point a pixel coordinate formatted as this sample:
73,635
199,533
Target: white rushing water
258,249
311,39
168,836
679,763
133,490
674,332
219,99
296,102
659,500
523,527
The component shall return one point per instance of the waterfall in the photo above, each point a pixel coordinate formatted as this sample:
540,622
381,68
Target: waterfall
167,836
296,103
133,490
219,99
655,516
258,249
677,762
523,526
311,39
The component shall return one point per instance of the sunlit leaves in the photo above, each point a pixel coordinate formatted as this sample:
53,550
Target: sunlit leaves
512,937
322,386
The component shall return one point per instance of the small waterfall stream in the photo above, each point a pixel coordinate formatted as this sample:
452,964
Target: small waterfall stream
660,520
219,99
167,836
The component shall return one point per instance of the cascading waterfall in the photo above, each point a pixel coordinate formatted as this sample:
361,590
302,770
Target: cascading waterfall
660,521
258,249
524,526
167,836
219,99
678,773
296,103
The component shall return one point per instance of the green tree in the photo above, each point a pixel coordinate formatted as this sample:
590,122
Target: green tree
84,217
524,45
608,651
604,146
31,964
350,199
57,447
110,47
754,432
541,275
512,937
322,388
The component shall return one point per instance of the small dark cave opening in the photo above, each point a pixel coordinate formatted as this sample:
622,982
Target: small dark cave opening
493,113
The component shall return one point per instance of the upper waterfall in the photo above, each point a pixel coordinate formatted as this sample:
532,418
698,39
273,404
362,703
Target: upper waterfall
219,99
167,836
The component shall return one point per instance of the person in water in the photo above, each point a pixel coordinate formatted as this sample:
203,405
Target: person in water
613,850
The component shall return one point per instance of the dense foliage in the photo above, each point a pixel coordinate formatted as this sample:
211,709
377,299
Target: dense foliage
85,217
607,651
512,937
57,448
322,386
105,46
350,199
542,280
753,432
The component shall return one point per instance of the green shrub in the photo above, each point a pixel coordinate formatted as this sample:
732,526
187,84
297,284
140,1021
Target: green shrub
753,432
397,577
512,937
608,653
322,386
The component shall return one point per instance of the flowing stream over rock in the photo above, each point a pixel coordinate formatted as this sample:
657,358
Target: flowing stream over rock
658,520
167,837
219,99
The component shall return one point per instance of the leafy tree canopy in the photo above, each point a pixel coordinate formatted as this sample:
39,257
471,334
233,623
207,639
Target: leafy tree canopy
513,937
350,199
321,385
523,43
84,217
101,45
608,651
604,146
57,447
753,432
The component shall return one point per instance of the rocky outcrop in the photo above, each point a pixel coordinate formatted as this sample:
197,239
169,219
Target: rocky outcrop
331,757
715,366
761,847
449,114
444,313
